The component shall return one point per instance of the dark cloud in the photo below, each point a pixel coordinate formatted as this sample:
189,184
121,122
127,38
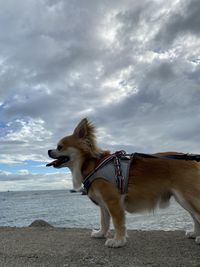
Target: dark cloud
183,21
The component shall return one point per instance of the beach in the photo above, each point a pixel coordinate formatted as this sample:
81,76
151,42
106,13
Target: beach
64,247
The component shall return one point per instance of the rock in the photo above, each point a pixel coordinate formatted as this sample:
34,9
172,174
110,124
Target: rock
40,223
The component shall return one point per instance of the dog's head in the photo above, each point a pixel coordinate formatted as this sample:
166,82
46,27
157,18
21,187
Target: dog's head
73,149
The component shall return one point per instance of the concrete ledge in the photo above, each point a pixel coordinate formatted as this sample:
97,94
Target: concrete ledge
35,246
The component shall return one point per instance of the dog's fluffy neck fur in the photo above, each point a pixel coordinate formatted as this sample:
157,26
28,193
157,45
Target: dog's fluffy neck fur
84,166
76,175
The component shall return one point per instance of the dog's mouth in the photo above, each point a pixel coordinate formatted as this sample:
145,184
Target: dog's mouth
58,162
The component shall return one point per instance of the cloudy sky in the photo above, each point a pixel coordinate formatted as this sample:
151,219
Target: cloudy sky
132,67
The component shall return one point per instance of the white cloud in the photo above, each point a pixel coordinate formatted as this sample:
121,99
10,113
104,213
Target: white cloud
23,172
26,181
27,131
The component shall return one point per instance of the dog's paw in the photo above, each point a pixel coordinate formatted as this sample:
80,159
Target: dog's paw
190,234
197,240
115,243
98,234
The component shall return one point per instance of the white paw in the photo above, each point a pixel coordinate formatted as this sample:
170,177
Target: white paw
197,240
190,234
98,234
115,243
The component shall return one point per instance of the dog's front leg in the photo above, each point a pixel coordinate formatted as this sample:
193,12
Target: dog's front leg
118,217
104,224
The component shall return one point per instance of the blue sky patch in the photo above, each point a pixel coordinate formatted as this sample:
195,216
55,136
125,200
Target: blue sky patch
33,167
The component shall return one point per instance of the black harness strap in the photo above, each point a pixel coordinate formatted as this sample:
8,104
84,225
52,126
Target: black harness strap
194,157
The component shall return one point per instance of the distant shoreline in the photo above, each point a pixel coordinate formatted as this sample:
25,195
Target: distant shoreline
56,247
36,190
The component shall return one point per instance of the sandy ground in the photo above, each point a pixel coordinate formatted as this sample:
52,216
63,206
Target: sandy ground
37,246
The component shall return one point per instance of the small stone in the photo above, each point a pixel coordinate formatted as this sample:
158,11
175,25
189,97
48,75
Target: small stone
40,223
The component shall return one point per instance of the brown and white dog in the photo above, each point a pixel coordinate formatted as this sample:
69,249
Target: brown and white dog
151,183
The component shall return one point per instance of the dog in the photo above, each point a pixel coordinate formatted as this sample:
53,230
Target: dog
151,182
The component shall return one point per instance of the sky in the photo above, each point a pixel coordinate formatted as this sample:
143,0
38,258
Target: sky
132,67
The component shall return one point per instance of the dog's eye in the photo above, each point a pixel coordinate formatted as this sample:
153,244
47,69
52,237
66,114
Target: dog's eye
59,147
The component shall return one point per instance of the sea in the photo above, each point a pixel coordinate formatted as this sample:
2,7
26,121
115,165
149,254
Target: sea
61,208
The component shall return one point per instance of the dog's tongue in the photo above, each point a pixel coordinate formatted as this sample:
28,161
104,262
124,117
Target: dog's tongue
58,162
52,163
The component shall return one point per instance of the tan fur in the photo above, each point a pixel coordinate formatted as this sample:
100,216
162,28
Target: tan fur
151,183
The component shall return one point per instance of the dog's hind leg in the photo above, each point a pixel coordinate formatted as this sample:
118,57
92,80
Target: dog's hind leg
196,232
191,206
194,203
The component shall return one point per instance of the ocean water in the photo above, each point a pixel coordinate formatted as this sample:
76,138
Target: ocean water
73,210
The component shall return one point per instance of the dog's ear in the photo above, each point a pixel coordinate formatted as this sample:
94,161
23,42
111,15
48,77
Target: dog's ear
86,132
81,129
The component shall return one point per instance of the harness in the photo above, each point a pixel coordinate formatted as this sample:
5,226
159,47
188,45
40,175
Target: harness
115,168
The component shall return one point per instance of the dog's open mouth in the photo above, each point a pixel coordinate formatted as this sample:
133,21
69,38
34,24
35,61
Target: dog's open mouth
58,162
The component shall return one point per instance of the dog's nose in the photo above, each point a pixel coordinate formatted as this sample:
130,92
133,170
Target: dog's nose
49,152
